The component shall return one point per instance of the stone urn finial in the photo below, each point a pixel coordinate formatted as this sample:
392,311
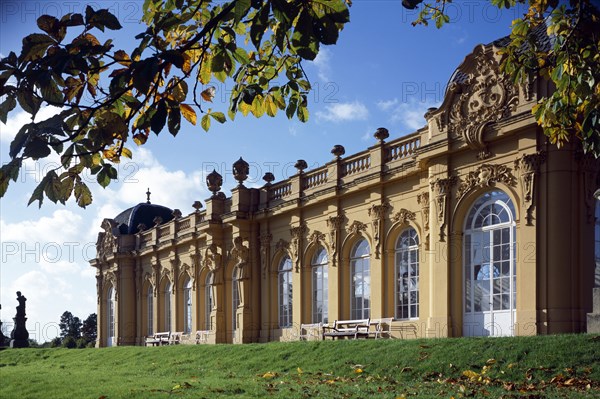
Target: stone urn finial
381,134
241,169
214,181
338,150
176,214
197,205
301,165
269,178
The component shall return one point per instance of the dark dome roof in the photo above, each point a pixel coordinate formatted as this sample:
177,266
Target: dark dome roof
128,220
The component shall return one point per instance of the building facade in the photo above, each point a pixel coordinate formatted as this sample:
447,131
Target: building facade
473,225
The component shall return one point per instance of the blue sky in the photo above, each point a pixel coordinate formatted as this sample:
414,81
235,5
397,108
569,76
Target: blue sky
382,73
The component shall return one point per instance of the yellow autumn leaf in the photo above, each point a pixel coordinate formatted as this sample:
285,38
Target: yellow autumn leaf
269,374
188,113
358,371
300,370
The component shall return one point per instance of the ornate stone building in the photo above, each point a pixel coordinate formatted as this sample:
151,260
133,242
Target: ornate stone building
472,225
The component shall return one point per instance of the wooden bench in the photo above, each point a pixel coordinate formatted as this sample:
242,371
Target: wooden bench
202,336
175,338
309,332
347,328
158,339
380,328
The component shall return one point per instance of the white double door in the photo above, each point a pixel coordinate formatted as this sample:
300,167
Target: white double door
489,282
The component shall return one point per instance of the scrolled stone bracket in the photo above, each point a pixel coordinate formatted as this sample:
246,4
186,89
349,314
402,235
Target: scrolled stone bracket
528,166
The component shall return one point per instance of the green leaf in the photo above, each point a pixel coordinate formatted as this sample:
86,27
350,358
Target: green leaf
103,18
54,188
35,46
83,195
9,171
240,10
302,113
36,149
7,105
159,118
259,25
205,122
218,116
174,121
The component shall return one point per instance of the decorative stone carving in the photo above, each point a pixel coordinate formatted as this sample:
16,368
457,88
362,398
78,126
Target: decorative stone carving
357,227
316,237
588,167
334,223
423,200
265,245
98,287
111,277
297,234
213,261
106,244
240,255
485,97
485,176
403,216
241,169
528,166
155,275
176,214
214,181
441,188
377,214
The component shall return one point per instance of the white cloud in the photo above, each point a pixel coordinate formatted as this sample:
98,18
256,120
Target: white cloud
323,64
344,112
387,105
409,114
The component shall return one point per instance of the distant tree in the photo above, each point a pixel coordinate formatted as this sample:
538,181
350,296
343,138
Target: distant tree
69,342
56,342
89,330
70,326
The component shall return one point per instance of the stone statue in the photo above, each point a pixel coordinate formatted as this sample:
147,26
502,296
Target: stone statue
19,335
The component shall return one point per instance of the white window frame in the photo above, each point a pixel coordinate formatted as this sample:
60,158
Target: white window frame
285,293
110,315
187,306
407,282
150,310
319,274
209,300
362,310
167,304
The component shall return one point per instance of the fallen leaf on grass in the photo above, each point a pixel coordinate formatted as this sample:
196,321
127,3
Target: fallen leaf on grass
269,374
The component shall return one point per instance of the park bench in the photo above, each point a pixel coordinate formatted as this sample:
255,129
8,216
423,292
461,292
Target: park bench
380,328
311,332
175,338
347,328
202,336
158,339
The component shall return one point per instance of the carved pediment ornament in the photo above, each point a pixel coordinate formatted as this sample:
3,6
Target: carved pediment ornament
297,234
403,216
485,97
357,227
485,176
111,277
528,166
334,223
106,244
316,237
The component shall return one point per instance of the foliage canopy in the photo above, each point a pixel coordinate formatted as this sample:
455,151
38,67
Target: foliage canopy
190,44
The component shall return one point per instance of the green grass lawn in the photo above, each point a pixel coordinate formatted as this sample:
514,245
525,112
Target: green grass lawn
566,366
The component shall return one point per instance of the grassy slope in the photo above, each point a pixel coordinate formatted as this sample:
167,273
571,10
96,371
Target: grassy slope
550,366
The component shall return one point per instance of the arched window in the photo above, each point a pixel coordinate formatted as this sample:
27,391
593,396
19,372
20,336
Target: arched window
150,310
187,306
489,266
407,275
167,299
319,286
110,316
360,300
235,292
208,299
285,292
